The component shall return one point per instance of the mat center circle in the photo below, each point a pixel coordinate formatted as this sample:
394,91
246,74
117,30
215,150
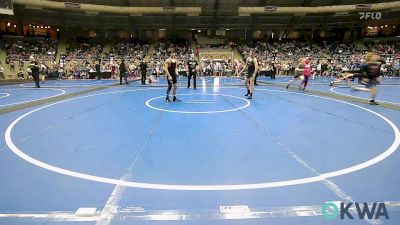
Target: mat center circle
199,103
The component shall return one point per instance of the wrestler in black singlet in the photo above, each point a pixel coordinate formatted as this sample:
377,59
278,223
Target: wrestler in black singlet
173,82
250,68
369,76
172,70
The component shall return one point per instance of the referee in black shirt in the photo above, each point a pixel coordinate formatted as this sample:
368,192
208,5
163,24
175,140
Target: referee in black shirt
143,70
122,73
192,69
34,66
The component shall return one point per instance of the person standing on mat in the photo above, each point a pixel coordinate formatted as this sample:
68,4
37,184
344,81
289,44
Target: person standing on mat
307,71
192,67
143,71
43,69
122,73
298,73
114,70
34,66
370,74
252,68
344,76
98,70
170,72
255,78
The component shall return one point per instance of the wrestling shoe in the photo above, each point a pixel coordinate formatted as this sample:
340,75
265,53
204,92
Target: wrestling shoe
175,99
372,102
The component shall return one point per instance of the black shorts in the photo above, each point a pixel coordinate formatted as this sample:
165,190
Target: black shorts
372,83
249,74
173,81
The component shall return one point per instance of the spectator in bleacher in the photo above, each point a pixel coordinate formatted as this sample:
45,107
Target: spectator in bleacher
131,69
29,73
285,69
237,66
114,68
61,72
20,75
158,69
1,71
12,66
21,64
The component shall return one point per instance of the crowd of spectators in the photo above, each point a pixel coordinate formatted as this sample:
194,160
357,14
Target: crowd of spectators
127,50
328,58
21,48
281,50
220,64
389,50
87,69
216,67
349,55
279,57
84,49
132,52
162,50
340,52
213,47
